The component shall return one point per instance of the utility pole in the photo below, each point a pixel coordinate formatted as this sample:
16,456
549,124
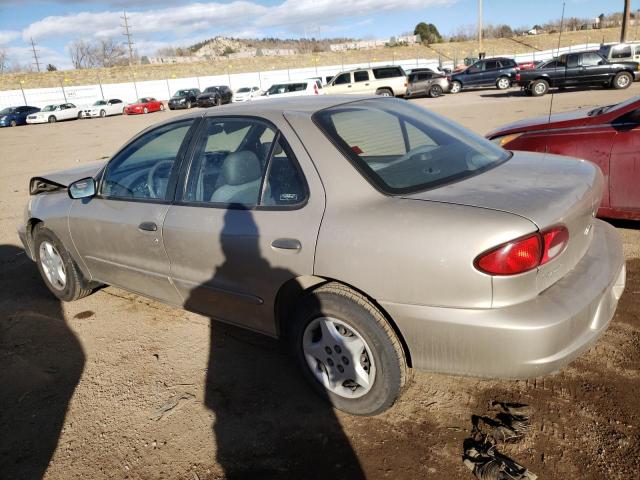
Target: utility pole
625,21
127,33
35,54
480,29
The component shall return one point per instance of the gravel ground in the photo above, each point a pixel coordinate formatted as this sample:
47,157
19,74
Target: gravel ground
119,386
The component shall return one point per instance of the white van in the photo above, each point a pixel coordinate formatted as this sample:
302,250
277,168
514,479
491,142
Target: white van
389,81
296,88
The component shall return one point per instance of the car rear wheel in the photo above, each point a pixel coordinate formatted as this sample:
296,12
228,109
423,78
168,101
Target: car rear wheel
435,91
455,87
503,83
622,80
539,88
52,119
347,350
162,107
103,114
384,92
58,270
13,123
145,110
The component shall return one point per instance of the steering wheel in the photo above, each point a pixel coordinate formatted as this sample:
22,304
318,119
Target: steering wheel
151,177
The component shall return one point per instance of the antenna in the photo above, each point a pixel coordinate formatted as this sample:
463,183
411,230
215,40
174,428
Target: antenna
127,33
35,54
555,68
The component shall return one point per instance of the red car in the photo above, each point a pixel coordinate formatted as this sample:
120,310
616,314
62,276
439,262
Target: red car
144,105
607,136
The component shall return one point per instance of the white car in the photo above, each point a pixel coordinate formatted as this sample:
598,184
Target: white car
104,108
388,81
246,93
297,88
55,113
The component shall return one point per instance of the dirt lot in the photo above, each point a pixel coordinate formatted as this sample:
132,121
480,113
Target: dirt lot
117,386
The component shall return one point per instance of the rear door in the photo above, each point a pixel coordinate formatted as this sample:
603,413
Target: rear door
491,73
246,220
573,72
624,181
362,82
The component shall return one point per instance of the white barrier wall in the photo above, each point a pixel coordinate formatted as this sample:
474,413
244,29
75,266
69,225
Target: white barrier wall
163,89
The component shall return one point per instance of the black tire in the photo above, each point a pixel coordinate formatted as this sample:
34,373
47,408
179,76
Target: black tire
501,84
539,87
622,80
456,87
79,117
52,119
103,114
74,288
435,91
384,92
339,302
13,123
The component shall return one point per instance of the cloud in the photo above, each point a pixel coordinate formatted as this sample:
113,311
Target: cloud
7,35
290,15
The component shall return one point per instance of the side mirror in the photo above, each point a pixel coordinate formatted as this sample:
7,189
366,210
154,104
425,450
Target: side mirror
84,188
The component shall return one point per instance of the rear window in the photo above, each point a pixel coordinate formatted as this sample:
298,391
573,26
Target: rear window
388,72
402,148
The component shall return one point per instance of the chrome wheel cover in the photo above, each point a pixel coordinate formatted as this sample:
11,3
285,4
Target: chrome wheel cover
623,81
339,357
52,265
503,83
540,88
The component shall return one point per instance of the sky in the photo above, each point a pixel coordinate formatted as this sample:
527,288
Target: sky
54,24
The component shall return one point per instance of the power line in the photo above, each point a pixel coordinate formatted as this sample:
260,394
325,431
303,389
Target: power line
127,33
35,54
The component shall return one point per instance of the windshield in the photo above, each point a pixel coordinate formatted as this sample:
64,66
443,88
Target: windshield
614,107
99,102
244,90
8,111
143,100
182,93
49,108
402,148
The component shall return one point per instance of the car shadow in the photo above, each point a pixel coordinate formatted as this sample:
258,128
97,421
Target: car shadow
517,92
268,423
620,223
41,363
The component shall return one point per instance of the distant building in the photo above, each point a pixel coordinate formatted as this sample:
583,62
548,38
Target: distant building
276,52
359,45
156,60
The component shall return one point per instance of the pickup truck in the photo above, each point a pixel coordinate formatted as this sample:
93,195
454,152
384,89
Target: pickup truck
577,69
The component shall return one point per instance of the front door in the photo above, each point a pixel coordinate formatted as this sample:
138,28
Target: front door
624,167
245,222
118,233
473,74
341,84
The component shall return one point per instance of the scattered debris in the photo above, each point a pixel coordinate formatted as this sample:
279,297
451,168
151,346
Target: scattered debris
480,450
171,404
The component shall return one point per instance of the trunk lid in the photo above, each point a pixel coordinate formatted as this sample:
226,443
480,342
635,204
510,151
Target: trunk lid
546,189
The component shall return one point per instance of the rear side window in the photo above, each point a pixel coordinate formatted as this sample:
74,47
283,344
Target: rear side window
621,52
402,148
387,72
361,76
572,61
491,65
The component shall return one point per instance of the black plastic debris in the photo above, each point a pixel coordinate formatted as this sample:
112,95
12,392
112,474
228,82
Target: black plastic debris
481,455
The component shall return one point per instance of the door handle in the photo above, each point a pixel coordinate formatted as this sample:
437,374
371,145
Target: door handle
366,84
148,227
348,86
286,244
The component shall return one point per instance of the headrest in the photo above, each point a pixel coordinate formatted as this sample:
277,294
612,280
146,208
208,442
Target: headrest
241,167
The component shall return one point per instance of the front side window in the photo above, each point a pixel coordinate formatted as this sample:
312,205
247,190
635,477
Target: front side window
476,67
143,168
232,161
591,59
342,79
402,148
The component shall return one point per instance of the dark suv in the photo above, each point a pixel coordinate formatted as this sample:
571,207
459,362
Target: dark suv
490,72
184,98
215,96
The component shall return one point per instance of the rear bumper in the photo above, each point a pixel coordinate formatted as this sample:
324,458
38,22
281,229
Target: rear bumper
533,338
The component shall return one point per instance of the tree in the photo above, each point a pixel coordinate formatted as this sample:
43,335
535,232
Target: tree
428,33
51,68
82,54
109,53
3,61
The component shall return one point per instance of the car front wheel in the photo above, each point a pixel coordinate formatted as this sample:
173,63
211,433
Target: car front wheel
51,119
455,87
57,268
348,351
622,80
145,110
13,123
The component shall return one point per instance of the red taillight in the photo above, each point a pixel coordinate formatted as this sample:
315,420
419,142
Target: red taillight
555,241
517,77
511,258
524,254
